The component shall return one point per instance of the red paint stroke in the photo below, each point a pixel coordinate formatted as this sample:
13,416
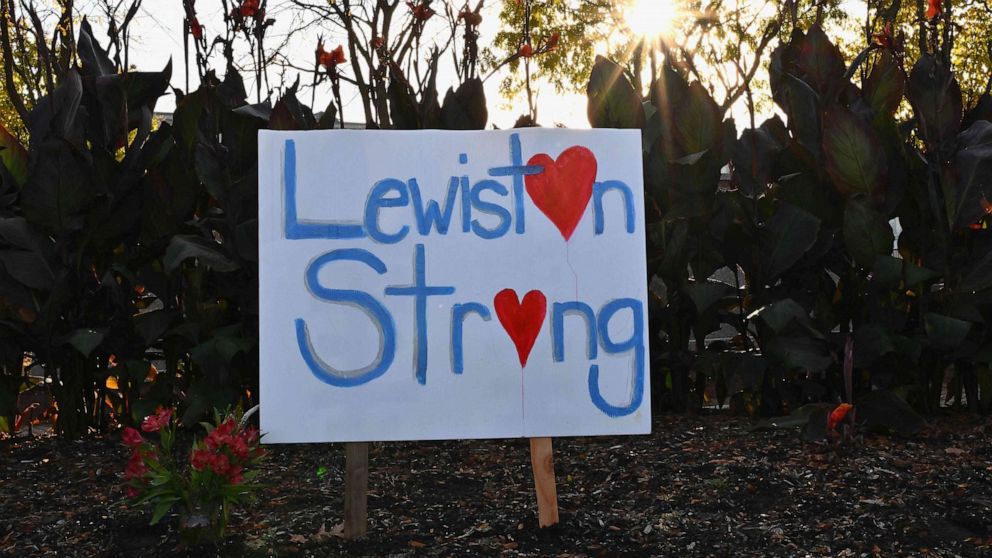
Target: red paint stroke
521,320
563,190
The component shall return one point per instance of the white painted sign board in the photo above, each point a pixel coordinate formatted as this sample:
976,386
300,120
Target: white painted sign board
447,285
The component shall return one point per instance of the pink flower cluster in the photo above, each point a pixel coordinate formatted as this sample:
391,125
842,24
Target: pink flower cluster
225,451
134,473
154,423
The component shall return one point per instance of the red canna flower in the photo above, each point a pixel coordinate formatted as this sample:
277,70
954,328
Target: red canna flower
883,39
933,8
526,50
196,29
421,10
132,438
248,8
154,423
837,415
330,59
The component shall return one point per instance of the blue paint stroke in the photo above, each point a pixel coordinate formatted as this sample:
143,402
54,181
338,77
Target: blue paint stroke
420,291
458,314
601,188
517,169
373,308
558,311
292,227
636,342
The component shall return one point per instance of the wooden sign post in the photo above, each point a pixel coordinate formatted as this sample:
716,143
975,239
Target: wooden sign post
542,461
356,489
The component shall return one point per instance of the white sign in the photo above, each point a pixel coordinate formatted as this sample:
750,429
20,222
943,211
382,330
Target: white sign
446,285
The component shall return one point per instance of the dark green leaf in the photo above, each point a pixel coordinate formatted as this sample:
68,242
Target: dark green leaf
968,190
612,101
866,232
786,236
290,114
465,109
402,103
162,507
28,267
13,156
95,60
781,313
707,293
871,341
326,120
885,411
696,121
884,86
152,325
212,167
945,332
820,60
57,190
205,396
852,153
207,253
800,351
935,95
978,277
754,156
261,111
86,340
143,89
913,274
887,271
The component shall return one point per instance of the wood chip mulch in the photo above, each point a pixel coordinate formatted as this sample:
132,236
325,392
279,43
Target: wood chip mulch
697,486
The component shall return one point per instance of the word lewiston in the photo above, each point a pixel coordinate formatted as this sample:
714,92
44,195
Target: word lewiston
487,208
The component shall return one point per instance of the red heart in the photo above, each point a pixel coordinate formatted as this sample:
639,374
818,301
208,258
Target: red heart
563,190
521,320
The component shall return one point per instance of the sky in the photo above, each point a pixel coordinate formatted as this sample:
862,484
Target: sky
157,35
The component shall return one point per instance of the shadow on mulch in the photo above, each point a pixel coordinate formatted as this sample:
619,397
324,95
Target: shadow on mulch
697,486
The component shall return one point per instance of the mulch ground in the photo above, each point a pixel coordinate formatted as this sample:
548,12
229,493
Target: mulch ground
697,486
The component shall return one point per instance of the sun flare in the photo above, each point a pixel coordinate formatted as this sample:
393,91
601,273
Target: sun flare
651,18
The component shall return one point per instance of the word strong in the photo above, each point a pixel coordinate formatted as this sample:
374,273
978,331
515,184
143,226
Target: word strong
432,285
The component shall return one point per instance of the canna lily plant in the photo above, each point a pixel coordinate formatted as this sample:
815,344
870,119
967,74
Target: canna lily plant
214,477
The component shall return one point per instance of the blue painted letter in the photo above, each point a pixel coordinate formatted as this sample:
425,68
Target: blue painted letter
458,313
433,215
517,169
491,208
375,310
558,311
420,291
377,199
292,226
636,342
601,188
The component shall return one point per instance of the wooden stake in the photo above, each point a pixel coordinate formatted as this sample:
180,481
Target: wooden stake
356,485
542,461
